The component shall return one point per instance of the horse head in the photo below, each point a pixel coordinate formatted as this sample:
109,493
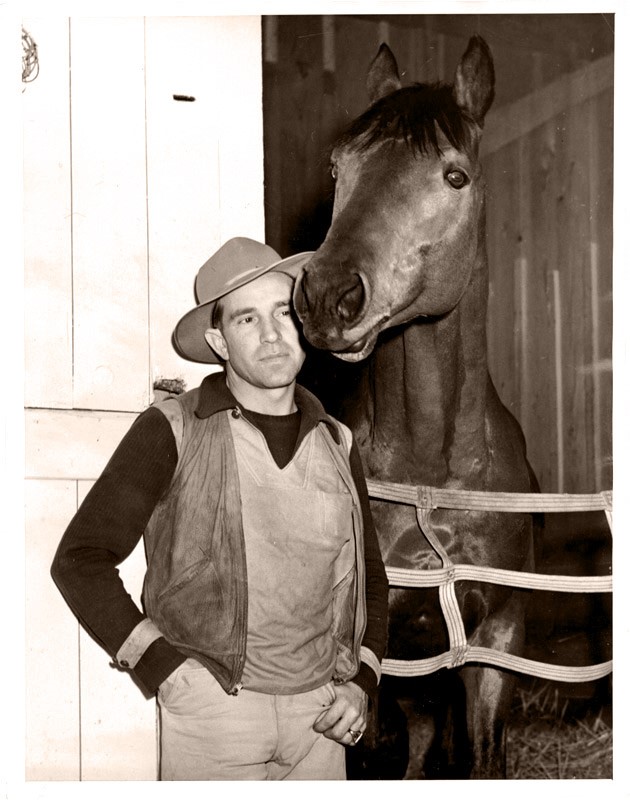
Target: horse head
407,224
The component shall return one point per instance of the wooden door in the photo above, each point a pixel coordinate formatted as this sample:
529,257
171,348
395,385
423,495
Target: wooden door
127,191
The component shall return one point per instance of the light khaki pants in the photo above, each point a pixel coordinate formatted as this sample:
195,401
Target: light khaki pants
207,734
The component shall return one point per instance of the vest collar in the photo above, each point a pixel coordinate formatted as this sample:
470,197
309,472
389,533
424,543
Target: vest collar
214,396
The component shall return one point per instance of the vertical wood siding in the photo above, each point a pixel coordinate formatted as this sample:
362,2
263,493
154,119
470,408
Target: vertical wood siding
126,193
547,154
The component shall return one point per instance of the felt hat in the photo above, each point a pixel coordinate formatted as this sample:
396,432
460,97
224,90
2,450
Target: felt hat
238,262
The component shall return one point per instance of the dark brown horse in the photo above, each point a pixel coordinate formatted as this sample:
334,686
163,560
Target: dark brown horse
400,285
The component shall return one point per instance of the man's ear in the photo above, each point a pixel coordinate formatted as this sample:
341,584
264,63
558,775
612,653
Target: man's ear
215,339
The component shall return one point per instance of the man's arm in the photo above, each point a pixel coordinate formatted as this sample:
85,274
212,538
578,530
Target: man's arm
103,533
376,589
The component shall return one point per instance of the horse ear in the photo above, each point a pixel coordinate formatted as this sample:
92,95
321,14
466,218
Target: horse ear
474,80
383,75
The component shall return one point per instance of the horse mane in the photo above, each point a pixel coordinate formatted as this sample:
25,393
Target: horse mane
413,114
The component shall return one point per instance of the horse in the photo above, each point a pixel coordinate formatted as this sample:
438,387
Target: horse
398,289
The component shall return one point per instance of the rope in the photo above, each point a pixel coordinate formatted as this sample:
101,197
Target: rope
426,498
30,59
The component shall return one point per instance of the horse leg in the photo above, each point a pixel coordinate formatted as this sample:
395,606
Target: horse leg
383,752
489,691
488,699
449,757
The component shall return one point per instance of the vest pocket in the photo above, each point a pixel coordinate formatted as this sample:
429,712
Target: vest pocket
192,611
185,577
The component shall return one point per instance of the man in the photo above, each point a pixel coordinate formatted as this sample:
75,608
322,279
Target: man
265,595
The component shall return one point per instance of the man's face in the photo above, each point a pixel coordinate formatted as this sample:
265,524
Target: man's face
258,338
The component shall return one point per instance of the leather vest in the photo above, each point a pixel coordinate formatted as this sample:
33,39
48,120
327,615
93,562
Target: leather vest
195,588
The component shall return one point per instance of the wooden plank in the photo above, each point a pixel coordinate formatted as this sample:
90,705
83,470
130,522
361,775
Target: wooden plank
519,118
327,131
301,54
407,45
109,203
601,204
197,196
574,260
360,45
118,724
47,220
501,237
540,425
559,385
52,640
273,118
553,34
236,42
71,444
522,279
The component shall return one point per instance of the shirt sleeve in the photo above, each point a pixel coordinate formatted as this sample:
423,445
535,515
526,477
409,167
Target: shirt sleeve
376,584
103,533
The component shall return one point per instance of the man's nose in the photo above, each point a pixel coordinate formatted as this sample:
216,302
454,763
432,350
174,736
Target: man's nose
270,331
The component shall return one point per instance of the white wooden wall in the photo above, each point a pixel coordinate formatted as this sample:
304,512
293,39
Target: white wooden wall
126,193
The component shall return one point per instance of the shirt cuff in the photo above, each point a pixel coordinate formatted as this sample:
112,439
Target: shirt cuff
134,646
370,658
158,662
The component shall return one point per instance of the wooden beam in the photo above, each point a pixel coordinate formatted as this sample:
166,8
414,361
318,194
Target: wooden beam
513,121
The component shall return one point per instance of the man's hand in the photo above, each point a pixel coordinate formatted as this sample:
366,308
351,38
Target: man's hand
346,719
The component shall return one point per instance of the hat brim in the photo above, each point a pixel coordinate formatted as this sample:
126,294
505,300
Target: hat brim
189,335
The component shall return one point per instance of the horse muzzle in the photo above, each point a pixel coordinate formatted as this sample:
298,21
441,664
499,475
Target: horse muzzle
332,310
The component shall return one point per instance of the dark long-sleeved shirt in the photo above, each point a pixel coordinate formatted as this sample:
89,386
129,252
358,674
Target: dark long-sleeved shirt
113,516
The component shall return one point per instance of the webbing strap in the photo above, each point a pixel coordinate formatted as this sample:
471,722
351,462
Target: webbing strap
448,601
433,497
427,498
399,576
485,655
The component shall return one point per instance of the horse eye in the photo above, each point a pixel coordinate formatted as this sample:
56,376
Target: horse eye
333,171
457,178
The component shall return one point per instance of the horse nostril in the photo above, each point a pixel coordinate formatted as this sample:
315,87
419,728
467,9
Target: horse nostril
352,299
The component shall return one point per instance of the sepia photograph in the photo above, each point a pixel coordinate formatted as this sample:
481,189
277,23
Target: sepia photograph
318,395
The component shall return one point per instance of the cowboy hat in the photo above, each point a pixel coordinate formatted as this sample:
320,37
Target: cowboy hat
237,262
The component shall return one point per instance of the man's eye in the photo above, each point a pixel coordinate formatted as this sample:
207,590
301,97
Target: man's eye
245,320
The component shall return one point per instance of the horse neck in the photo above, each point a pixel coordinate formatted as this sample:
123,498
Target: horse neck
428,393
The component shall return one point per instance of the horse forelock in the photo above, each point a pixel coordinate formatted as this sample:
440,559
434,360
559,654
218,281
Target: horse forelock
414,115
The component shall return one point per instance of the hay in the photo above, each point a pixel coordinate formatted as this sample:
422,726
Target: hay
546,741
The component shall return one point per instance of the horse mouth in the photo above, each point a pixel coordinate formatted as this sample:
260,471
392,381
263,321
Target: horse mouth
361,348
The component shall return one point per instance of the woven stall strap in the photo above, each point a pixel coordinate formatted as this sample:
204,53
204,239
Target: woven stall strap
424,523
553,672
426,498
415,579
485,655
523,580
448,600
530,580
411,669
452,617
433,497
